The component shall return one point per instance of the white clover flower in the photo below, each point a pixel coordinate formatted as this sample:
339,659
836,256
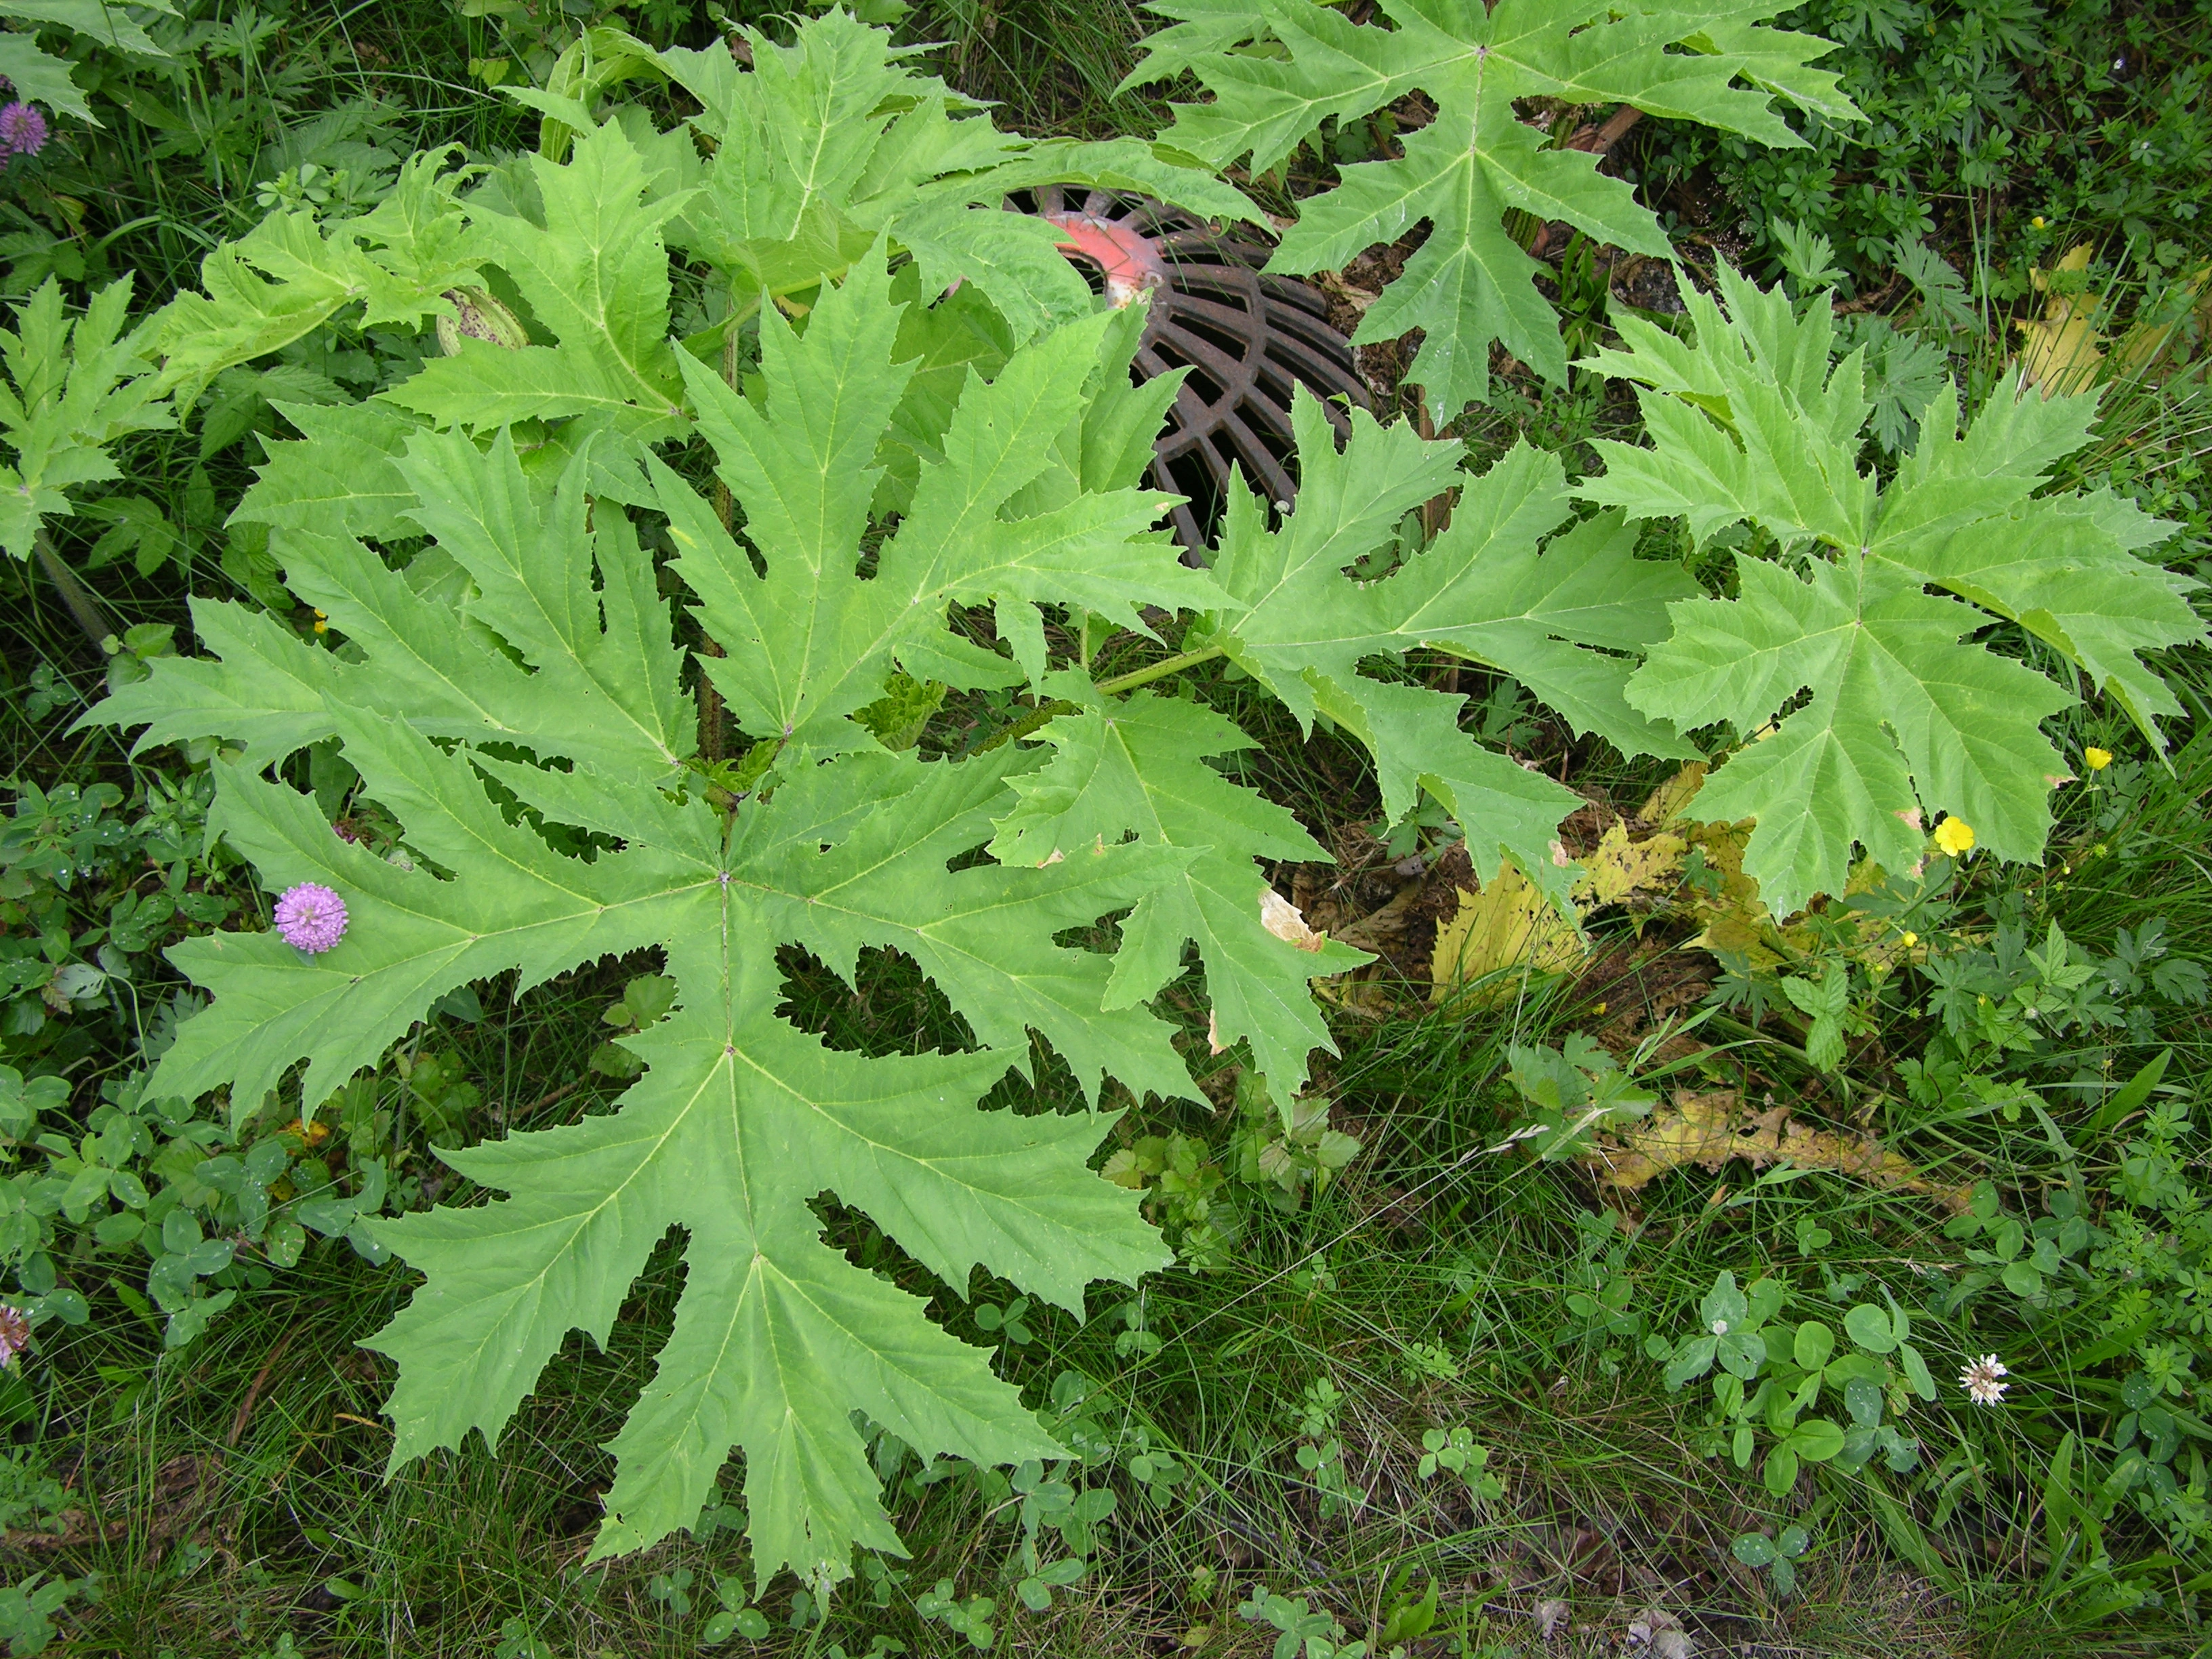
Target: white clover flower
1980,1380
1720,1327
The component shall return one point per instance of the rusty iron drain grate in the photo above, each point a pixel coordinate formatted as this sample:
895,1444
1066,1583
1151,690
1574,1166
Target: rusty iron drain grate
1246,339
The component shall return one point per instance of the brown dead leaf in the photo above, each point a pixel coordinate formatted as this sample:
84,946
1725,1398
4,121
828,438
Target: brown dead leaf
1280,917
1353,295
1372,991
1660,1633
1709,1128
1631,989
1379,929
1364,992
1550,1615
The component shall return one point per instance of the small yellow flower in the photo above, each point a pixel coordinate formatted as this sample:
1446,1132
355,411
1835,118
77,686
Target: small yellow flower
321,627
1954,835
1599,1009
2038,221
2098,759
1911,939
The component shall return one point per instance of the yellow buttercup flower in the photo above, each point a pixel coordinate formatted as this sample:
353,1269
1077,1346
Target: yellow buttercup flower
2038,221
2098,759
1954,835
1911,939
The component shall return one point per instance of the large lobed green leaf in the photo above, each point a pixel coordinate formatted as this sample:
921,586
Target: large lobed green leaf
1570,619
1279,69
35,76
564,656
73,385
588,257
1853,643
290,275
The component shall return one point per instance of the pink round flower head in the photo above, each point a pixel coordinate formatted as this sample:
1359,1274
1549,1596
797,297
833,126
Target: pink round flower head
311,917
23,130
15,1334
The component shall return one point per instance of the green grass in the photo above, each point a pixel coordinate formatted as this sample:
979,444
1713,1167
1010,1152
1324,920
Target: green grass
1050,66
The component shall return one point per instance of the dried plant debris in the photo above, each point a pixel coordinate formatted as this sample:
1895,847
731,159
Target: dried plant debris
1664,862
1711,1127
2063,350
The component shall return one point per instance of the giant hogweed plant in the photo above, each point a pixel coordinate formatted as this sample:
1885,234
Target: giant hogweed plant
538,749
504,676
1478,174
535,746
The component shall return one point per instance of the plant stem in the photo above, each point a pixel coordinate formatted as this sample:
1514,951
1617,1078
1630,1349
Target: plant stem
80,603
1042,714
1161,669
1045,712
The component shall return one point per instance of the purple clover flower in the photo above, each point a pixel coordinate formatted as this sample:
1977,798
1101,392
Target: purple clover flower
23,130
15,1334
311,917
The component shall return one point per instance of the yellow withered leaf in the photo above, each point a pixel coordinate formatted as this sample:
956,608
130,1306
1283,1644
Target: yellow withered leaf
2062,349
1620,868
1735,921
1670,801
1510,923
2143,343
1710,1127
